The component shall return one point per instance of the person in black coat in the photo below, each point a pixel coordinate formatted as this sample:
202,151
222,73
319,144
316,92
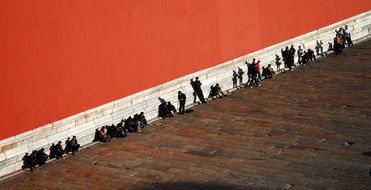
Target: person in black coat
33,159
171,109
68,149
182,100
74,145
52,152
41,157
58,150
197,86
26,161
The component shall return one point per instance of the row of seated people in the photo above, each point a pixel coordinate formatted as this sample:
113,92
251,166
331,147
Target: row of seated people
122,129
39,157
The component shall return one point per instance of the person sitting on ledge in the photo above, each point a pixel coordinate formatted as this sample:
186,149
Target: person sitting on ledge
143,120
41,157
101,135
26,161
67,149
308,56
137,122
110,130
120,130
97,136
74,145
216,91
33,159
171,109
312,56
58,150
52,151
130,125
268,72
104,134
162,110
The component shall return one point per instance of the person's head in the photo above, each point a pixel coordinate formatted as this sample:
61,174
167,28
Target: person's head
287,47
258,61
346,27
74,137
59,142
179,92
42,149
217,84
168,103
269,65
196,78
292,46
68,138
299,47
26,154
142,113
53,144
253,60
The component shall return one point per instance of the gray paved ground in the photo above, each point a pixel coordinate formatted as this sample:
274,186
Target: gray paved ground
290,133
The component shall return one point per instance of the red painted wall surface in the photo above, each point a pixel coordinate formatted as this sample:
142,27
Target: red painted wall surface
59,58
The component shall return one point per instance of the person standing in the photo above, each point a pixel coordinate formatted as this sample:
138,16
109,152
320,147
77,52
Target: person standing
198,89
182,100
348,38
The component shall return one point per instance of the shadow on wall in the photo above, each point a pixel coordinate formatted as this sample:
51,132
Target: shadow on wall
192,185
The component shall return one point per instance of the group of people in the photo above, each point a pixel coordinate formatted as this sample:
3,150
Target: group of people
122,129
341,39
39,157
253,72
166,109
304,56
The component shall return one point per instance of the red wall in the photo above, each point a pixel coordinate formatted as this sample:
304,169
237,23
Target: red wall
59,58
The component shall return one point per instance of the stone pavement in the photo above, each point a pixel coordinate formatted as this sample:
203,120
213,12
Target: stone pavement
305,129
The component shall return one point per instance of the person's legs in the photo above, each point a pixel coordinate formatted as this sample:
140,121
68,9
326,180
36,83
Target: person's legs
201,96
181,107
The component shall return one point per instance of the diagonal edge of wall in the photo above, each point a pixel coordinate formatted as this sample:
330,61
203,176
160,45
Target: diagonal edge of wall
83,124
